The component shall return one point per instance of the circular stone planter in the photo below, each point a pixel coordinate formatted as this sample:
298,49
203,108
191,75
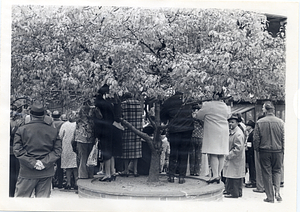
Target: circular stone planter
138,188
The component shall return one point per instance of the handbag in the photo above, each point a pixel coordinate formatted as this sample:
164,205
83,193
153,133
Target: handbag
93,156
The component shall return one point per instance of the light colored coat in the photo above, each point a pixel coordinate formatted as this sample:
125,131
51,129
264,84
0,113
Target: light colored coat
234,165
216,129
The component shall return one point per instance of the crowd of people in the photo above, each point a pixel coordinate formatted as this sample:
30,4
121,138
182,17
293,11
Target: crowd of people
52,149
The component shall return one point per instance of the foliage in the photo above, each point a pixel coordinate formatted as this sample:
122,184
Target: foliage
65,54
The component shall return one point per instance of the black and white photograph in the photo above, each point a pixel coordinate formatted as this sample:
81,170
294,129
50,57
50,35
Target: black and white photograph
149,105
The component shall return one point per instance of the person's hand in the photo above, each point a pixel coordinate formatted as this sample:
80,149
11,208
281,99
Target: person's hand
194,115
39,165
226,157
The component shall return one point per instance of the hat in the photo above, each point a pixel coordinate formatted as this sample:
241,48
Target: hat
104,89
250,123
56,114
234,116
269,105
37,109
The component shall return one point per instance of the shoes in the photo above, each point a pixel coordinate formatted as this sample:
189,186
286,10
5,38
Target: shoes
171,179
230,196
268,200
250,185
258,191
181,180
122,174
278,197
196,175
59,186
75,187
105,178
226,192
215,180
282,184
113,177
68,187
136,175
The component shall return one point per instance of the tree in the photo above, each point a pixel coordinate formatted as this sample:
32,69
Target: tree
65,54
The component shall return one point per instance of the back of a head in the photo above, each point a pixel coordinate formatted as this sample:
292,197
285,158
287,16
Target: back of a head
269,106
127,95
103,90
72,116
63,117
56,114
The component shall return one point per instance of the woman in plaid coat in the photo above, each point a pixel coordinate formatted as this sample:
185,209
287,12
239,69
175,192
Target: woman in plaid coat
132,146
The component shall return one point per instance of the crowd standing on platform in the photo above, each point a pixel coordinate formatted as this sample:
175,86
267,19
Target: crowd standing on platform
50,149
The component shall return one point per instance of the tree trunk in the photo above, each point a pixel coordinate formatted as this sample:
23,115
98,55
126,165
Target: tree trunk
155,155
154,167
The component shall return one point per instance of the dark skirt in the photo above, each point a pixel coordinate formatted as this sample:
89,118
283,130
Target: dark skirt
117,142
111,143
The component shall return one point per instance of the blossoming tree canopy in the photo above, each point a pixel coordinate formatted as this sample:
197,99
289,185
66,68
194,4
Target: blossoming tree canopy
66,53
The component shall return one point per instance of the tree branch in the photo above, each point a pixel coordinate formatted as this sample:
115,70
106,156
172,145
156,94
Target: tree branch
144,136
142,42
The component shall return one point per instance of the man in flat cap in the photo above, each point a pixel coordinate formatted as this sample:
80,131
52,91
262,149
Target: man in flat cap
37,147
269,141
234,164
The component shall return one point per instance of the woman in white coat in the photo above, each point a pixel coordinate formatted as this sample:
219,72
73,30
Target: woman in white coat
234,167
215,135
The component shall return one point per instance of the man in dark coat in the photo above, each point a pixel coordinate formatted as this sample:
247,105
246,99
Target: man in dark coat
180,128
37,146
250,155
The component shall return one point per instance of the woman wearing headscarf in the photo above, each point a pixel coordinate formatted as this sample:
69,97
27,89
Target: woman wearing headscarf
68,157
104,132
215,135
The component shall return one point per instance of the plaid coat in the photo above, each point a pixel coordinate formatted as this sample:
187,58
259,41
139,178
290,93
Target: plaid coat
132,145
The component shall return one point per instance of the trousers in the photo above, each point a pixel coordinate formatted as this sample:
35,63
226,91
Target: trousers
195,155
14,167
259,180
271,163
251,163
59,174
234,186
84,150
179,149
40,186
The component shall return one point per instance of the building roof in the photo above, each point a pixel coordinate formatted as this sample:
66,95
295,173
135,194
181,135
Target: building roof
242,108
